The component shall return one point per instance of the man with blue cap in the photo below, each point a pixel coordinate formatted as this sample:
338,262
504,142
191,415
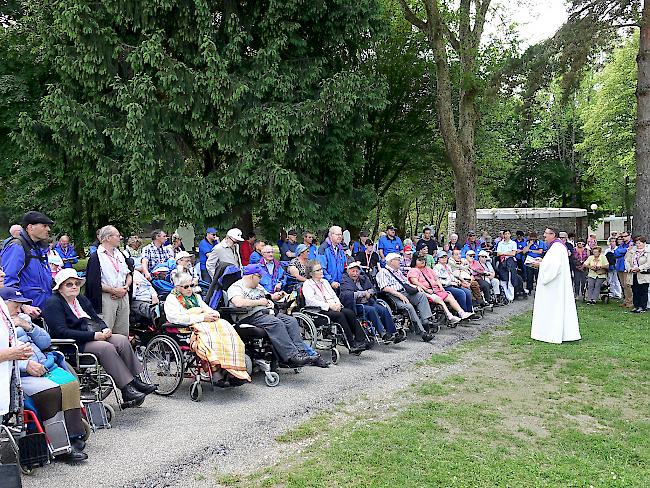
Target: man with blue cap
205,246
283,330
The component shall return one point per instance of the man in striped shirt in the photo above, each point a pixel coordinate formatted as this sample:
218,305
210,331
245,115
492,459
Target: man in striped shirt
391,280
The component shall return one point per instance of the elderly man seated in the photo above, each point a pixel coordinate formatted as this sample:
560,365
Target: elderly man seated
393,282
358,293
273,276
283,330
66,251
462,271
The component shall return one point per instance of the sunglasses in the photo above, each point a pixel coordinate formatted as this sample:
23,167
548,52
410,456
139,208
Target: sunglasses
185,287
72,284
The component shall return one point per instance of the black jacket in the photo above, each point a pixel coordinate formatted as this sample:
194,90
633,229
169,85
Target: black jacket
64,324
349,287
94,282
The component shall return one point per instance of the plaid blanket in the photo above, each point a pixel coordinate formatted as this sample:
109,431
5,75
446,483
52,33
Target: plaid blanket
220,345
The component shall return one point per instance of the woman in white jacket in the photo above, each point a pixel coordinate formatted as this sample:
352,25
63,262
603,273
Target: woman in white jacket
318,293
213,339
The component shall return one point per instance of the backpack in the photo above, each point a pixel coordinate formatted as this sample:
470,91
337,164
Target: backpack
27,249
611,259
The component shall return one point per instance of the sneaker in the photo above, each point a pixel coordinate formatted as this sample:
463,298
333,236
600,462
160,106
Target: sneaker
465,315
453,319
399,338
319,362
427,337
388,338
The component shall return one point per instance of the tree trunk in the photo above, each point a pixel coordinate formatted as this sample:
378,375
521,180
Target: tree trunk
641,221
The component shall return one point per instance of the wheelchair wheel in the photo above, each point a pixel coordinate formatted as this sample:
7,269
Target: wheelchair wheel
309,331
435,328
164,365
87,430
249,365
336,355
401,333
271,378
196,391
110,413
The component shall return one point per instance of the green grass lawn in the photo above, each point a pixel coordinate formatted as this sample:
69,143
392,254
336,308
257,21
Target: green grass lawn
521,414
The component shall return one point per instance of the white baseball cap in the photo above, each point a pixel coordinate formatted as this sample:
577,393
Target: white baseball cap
235,235
392,255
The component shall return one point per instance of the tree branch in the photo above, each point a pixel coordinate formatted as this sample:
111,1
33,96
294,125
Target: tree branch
412,18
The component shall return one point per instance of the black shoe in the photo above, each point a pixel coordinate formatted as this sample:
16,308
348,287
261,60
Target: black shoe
319,362
427,337
399,338
78,444
357,348
131,395
388,338
143,387
298,361
368,344
73,457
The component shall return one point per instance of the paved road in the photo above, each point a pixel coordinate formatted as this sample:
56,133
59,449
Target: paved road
174,442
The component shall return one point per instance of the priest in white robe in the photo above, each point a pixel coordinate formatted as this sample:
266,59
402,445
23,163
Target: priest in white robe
555,318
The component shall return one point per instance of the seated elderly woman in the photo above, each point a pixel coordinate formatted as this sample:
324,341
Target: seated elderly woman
184,265
484,273
297,268
318,293
53,390
426,280
213,339
70,315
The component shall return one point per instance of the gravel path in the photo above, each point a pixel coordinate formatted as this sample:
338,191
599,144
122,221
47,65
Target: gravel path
173,442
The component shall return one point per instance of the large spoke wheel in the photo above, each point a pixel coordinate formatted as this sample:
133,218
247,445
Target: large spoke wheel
309,331
163,364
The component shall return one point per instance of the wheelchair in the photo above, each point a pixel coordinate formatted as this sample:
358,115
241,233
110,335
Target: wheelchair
260,353
23,440
95,384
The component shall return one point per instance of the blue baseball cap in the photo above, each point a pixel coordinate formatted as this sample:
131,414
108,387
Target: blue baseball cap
9,294
300,248
211,230
252,269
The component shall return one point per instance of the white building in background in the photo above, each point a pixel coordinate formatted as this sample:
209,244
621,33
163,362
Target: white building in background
609,225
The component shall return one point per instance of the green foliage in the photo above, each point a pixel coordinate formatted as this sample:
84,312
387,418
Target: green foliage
608,122
191,110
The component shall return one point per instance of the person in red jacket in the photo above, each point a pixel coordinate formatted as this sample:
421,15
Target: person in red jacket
247,248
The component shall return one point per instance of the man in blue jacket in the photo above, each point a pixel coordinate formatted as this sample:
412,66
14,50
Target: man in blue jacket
332,257
205,246
66,251
24,259
471,244
619,254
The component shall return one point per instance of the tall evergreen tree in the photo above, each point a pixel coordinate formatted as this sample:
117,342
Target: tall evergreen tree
200,110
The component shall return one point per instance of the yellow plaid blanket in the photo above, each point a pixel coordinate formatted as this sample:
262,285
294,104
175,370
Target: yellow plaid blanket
220,345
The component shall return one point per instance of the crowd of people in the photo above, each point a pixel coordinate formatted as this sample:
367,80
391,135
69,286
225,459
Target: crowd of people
41,296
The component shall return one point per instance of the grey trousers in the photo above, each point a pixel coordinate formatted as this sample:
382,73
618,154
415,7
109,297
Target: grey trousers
116,313
117,357
418,305
593,288
283,331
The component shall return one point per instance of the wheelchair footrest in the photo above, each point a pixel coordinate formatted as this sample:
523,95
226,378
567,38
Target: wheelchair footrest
96,415
33,450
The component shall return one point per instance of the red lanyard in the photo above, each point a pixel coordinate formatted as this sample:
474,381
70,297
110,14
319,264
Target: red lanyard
321,288
114,261
75,309
9,326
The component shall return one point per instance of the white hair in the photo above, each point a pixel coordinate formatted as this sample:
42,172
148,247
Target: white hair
333,229
182,278
105,232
